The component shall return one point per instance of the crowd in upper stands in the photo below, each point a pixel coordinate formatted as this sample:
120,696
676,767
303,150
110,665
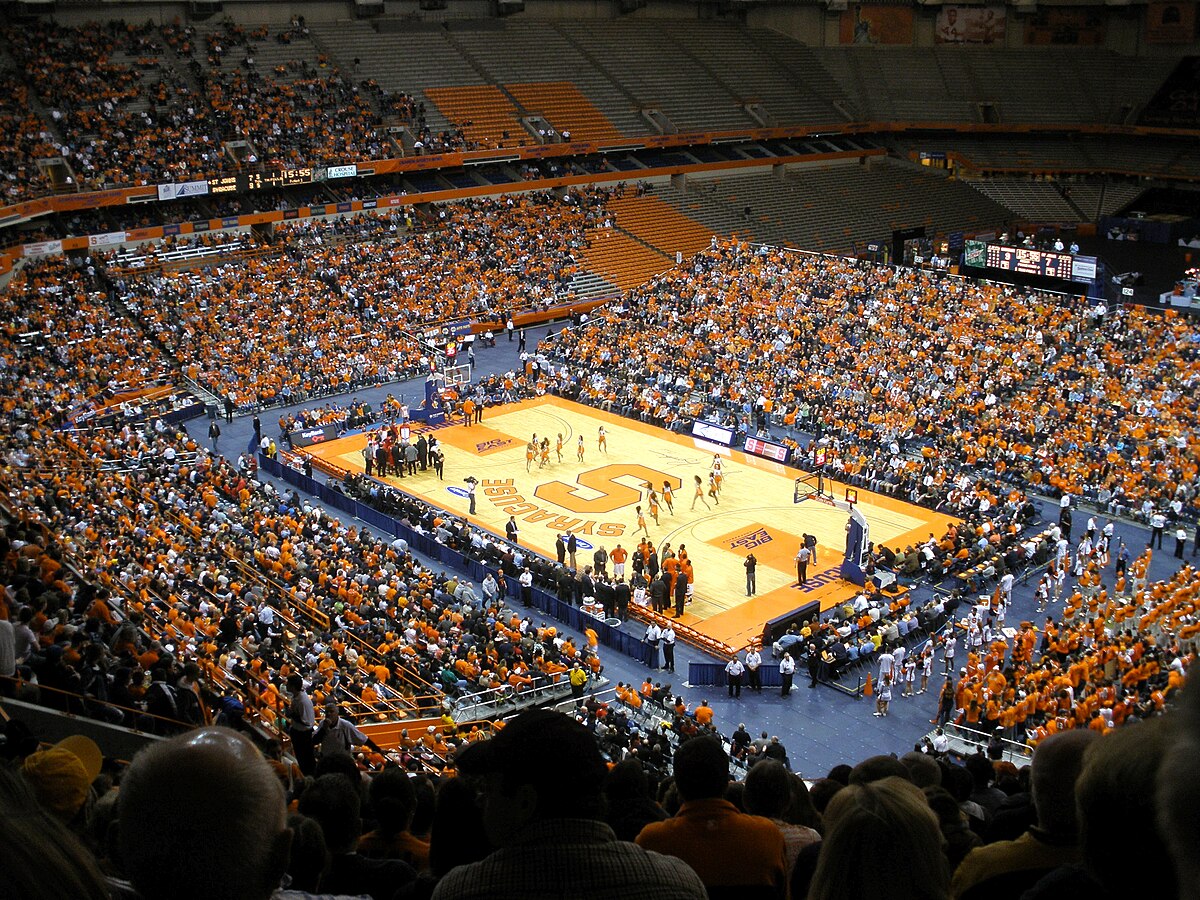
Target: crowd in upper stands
139,104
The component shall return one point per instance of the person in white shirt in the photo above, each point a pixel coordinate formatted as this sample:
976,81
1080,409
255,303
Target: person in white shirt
887,665
639,593
1006,586
733,675
668,645
653,636
787,669
525,579
753,662
926,669
1158,523
941,743
948,652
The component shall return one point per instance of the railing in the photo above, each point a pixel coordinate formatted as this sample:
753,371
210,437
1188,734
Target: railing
495,701
78,704
969,740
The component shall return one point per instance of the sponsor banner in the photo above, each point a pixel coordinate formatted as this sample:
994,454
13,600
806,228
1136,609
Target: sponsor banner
711,431
1170,23
368,204
106,240
42,248
184,189
865,24
230,222
341,171
311,436
169,230
975,253
343,207
291,213
200,226
970,25
1083,268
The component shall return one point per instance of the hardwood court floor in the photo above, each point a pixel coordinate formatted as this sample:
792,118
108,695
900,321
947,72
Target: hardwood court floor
597,498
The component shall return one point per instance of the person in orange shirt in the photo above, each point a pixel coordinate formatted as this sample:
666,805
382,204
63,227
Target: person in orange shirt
618,556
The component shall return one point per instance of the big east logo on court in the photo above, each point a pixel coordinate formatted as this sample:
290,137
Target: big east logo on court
495,444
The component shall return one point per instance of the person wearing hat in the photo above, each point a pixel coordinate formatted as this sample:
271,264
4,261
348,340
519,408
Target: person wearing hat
540,782
61,777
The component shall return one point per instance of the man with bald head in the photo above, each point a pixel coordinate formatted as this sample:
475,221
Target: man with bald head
203,816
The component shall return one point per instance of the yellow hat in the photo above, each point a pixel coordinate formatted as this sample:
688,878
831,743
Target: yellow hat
62,776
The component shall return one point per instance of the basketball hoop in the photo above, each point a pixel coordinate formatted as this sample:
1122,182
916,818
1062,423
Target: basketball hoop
456,375
812,487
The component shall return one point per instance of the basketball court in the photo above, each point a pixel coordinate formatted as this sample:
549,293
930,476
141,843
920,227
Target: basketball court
596,499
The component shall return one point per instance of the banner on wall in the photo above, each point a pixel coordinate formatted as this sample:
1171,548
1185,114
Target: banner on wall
42,248
970,25
865,24
185,189
1065,27
106,240
1170,23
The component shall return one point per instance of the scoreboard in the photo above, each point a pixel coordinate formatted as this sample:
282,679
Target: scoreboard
256,181
281,178
1028,261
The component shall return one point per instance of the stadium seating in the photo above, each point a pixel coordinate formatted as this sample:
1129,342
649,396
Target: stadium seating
485,114
621,260
869,202
538,52
564,107
1033,201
